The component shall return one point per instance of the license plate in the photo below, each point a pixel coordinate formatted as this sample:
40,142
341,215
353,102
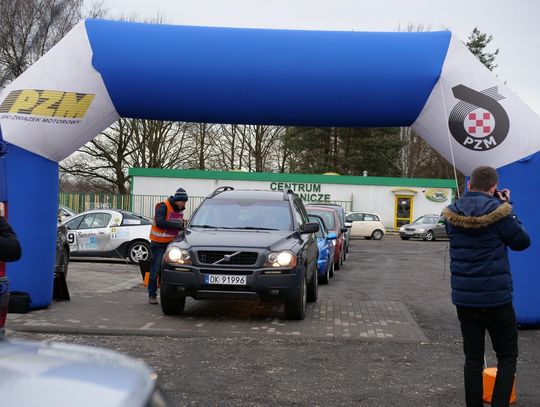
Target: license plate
408,233
221,279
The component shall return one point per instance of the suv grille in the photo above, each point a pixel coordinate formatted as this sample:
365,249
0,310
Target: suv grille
236,258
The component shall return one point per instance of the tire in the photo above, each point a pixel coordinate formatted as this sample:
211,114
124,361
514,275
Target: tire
326,278
377,234
337,265
405,237
296,309
138,250
63,262
171,306
429,236
313,287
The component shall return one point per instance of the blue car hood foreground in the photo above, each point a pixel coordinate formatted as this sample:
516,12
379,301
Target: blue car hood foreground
55,374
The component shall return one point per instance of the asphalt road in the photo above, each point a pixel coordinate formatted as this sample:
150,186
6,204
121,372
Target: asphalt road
260,368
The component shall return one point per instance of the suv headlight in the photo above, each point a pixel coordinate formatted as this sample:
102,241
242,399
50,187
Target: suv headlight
177,256
280,259
402,229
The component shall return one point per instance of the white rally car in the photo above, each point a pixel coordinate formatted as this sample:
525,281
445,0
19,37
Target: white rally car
109,233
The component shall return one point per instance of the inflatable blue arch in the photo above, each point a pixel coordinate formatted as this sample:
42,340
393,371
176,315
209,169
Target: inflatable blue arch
103,70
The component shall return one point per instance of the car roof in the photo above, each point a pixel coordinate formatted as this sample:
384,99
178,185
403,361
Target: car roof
265,195
50,374
320,207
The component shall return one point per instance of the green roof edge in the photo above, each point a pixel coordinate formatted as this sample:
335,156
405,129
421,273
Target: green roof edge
287,177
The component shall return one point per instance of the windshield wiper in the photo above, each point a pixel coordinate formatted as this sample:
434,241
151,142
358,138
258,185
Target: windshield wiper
210,227
254,228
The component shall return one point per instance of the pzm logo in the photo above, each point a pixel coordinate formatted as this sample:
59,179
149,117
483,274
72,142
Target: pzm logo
478,121
50,103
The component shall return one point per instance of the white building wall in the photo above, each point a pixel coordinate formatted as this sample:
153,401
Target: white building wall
366,198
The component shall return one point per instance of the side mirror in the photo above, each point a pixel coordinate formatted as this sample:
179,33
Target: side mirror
331,236
348,225
310,227
344,230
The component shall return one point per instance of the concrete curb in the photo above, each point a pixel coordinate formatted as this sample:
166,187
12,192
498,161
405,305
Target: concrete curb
68,330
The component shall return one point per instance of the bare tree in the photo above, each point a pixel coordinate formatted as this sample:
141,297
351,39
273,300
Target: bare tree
29,28
260,141
158,144
106,158
203,139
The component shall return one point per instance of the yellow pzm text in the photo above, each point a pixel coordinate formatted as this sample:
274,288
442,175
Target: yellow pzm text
49,103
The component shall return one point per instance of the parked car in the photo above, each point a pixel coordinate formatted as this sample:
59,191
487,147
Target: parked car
56,374
64,212
62,250
342,216
366,225
109,233
244,244
326,242
427,227
331,219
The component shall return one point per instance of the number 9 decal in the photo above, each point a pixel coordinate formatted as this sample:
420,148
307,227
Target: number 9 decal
71,238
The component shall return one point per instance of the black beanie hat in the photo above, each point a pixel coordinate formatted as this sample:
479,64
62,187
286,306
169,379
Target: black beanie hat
180,195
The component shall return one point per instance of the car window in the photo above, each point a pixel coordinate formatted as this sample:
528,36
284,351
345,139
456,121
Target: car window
74,223
426,220
95,220
327,216
354,217
322,232
370,217
298,214
132,219
241,214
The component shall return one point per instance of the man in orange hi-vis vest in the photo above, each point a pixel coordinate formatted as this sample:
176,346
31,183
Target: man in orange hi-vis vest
168,221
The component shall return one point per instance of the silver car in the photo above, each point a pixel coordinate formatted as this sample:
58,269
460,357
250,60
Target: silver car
427,227
56,374
109,233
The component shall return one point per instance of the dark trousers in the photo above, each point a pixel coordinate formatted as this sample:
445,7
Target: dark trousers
157,256
500,322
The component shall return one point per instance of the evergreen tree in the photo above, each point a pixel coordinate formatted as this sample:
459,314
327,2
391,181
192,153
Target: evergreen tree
477,44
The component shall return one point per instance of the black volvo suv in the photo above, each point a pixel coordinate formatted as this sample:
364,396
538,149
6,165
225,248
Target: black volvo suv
244,244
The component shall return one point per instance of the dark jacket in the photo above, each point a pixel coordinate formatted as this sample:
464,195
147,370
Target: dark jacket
10,249
160,217
481,228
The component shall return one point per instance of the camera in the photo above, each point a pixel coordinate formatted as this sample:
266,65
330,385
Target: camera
503,194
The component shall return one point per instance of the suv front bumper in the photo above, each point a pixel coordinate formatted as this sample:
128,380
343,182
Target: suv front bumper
181,281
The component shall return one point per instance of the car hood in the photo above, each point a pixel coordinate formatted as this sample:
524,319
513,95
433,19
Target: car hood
241,238
56,374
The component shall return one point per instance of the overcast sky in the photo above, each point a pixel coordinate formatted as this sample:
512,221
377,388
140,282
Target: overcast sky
515,25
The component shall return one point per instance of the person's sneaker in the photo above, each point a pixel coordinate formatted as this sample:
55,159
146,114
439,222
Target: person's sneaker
152,300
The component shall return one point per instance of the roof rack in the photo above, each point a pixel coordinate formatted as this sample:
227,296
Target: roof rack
220,190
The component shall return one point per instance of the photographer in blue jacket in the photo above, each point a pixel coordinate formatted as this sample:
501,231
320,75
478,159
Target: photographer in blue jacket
481,227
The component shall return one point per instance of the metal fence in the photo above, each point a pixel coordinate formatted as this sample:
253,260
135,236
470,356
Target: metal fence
141,204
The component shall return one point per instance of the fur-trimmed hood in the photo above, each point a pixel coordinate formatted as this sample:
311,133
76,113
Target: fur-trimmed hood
476,210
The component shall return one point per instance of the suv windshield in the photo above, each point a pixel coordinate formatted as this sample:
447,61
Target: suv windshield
243,214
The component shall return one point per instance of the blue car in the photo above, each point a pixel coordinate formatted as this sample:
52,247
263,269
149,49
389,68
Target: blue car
326,242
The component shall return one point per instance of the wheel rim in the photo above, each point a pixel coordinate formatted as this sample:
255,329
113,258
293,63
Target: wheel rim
429,236
139,252
377,235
